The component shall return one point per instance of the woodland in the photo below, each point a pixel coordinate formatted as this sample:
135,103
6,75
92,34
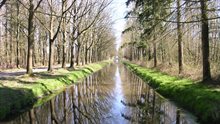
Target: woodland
51,32
179,37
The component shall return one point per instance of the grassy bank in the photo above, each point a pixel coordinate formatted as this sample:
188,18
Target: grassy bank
18,92
200,99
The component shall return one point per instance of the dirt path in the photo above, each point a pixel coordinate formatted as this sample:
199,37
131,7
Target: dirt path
14,73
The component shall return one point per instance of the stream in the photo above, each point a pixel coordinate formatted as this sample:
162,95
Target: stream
113,95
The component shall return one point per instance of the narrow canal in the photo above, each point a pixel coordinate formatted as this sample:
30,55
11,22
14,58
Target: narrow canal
113,95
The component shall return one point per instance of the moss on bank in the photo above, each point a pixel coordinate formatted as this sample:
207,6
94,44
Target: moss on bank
22,91
200,99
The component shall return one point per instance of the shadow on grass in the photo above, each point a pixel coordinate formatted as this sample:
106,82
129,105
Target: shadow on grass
86,72
74,69
8,79
14,101
89,69
50,76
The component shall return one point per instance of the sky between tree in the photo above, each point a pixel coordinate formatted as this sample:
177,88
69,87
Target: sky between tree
118,14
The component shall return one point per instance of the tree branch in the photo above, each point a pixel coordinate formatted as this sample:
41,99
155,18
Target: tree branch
2,3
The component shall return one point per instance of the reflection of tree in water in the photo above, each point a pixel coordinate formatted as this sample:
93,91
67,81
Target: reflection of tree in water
91,101
134,99
143,104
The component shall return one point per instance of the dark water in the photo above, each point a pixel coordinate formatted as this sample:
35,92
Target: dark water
111,96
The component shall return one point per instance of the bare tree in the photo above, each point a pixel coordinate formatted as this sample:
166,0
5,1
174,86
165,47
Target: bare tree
205,41
31,12
52,34
179,33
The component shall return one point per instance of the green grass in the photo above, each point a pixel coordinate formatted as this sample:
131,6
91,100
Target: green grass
20,92
202,100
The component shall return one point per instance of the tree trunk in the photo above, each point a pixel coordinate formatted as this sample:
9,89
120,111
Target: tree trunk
155,53
51,42
17,35
30,39
51,56
205,41
64,50
180,44
72,56
44,51
90,55
149,53
83,56
78,54
86,53
11,38
34,56
58,55
86,56
6,36
75,35
64,39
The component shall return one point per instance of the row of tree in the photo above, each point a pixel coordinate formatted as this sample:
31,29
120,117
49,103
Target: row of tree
181,31
49,32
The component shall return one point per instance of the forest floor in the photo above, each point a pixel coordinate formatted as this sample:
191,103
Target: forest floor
201,99
18,90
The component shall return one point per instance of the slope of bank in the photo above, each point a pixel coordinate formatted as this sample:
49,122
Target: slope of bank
202,100
18,92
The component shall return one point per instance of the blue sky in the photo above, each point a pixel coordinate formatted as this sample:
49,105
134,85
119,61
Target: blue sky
118,13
